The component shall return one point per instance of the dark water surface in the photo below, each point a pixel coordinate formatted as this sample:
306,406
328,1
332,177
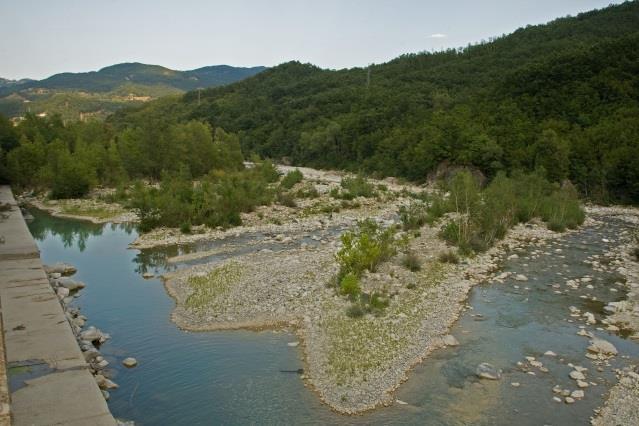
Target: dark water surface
235,377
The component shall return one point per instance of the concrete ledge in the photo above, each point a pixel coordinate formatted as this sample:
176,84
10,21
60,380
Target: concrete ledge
52,384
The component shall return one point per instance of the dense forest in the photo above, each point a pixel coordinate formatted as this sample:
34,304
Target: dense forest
561,98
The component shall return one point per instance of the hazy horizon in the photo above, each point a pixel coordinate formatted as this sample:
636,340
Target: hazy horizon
42,39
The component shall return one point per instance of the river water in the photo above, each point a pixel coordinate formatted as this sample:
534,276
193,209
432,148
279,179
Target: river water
238,377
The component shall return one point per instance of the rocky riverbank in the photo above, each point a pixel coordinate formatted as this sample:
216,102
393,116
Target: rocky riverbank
89,338
622,404
354,364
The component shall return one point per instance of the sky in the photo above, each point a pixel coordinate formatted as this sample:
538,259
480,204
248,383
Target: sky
41,38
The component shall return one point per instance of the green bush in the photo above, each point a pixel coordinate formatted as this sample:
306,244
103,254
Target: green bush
185,228
291,178
349,285
355,187
365,248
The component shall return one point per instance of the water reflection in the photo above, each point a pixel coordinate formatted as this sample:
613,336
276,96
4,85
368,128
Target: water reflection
69,232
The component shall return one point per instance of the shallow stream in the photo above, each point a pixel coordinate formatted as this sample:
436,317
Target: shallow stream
237,377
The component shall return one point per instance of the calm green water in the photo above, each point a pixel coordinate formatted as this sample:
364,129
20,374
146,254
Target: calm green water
235,377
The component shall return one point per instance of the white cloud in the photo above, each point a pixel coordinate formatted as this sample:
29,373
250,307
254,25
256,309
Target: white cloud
438,35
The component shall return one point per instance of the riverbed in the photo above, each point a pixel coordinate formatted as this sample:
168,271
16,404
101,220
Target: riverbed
239,377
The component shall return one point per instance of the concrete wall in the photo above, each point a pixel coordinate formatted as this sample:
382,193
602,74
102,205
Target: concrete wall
50,383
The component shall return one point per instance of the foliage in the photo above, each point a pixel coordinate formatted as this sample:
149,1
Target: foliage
293,177
561,96
482,217
349,285
217,200
365,248
355,187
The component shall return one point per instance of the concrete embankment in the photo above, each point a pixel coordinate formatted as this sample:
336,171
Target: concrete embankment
49,380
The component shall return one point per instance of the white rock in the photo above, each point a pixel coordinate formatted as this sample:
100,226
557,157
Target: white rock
293,344
602,346
130,362
521,277
577,375
578,394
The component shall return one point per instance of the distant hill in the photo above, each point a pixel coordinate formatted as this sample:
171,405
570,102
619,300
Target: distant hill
98,93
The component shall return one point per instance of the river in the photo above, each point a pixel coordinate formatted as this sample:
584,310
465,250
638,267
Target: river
240,377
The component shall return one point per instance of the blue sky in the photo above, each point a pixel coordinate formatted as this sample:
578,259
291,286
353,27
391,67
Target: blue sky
41,38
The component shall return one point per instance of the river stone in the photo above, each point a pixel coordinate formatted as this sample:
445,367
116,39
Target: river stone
62,292
99,380
602,346
129,362
91,334
102,364
578,394
60,268
549,353
590,318
106,395
147,275
569,400
582,384
293,344
450,340
70,284
488,371
108,384
521,277
577,375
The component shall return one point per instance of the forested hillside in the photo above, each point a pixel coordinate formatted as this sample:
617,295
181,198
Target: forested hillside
562,96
